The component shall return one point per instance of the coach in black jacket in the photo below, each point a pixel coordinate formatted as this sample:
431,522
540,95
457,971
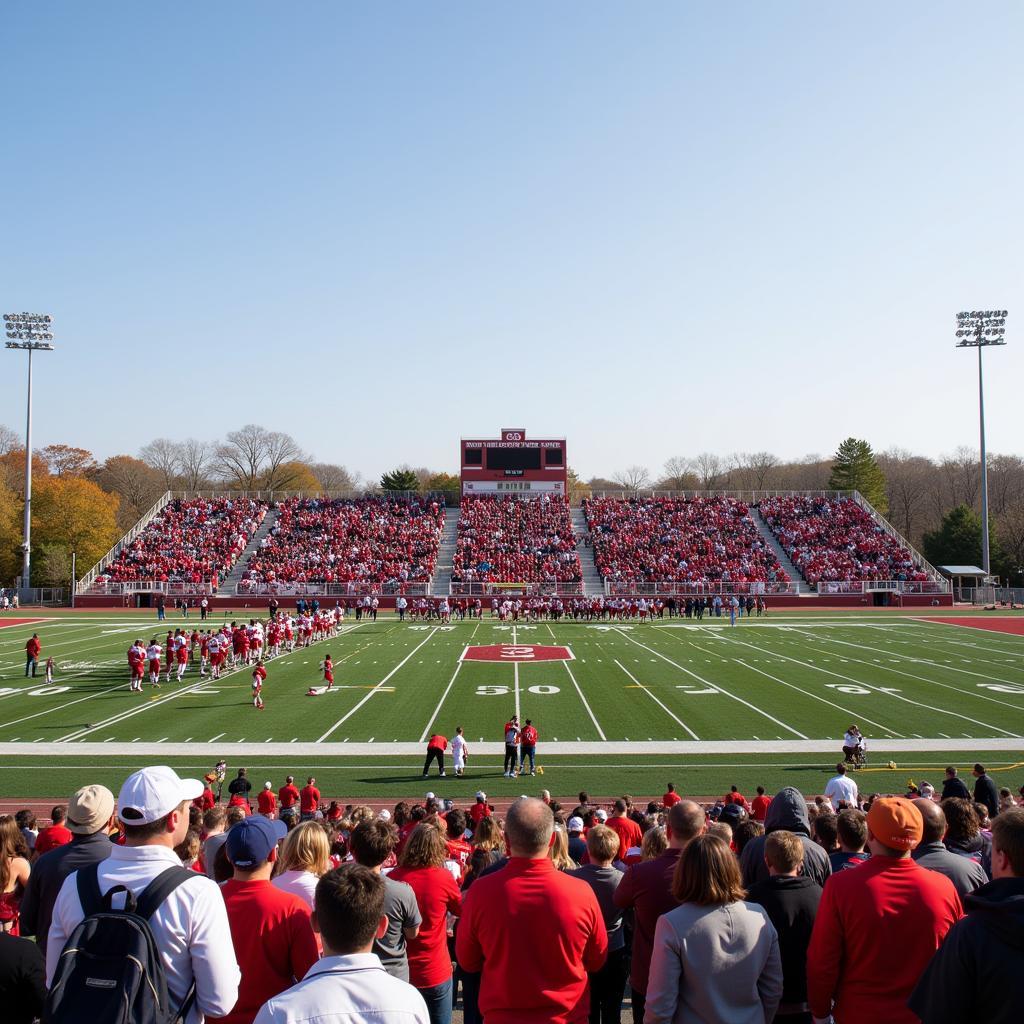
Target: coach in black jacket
985,791
954,786
976,975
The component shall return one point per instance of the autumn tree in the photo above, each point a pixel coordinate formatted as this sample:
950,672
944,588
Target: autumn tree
854,468
11,512
64,460
400,479
297,476
77,514
52,565
577,489
12,470
136,484
442,482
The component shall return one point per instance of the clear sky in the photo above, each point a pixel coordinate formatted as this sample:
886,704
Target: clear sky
655,229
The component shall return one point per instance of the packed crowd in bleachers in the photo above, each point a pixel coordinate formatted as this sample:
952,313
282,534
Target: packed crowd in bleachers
366,540
845,907
694,540
832,539
189,541
528,540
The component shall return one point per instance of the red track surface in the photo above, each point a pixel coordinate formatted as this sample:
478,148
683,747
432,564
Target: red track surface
5,622
1002,624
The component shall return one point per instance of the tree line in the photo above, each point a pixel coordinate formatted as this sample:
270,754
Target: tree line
85,505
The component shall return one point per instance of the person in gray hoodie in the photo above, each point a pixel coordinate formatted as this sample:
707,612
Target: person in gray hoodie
965,874
787,811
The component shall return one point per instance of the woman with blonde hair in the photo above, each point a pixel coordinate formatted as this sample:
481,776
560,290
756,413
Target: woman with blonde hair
558,851
14,872
305,856
654,843
488,836
421,866
715,957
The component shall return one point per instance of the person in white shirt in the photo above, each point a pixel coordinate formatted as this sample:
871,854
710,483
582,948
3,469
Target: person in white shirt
191,925
853,744
459,751
349,983
841,788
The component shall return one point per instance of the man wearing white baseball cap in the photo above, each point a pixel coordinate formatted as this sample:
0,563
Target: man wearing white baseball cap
191,925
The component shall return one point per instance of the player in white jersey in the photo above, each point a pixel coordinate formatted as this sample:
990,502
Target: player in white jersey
181,654
459,751
153,652
215,648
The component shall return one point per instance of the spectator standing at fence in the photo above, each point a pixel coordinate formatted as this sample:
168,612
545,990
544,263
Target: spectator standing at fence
32,649
349,984
90,817
54,835
879,924
266,802
535,932
715,958
288,794
975,975
647,890
191,925
270,928
629,832
309,800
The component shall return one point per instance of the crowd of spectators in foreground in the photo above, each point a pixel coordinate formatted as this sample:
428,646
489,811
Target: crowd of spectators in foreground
287,908
693,540
512,539
353,540
832,539
189,541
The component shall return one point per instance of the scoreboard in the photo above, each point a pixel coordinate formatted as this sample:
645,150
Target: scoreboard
513,464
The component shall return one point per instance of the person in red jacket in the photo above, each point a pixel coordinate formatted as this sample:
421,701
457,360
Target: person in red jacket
57,834
266,802
288,794
879,925
671,797
759,805
32,649
629,832
309,800
436,746
532,930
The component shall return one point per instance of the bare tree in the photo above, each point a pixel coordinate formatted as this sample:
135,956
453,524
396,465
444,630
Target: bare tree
756,468
1010,530
678,475
241,459
710,470
906,478
8,440
136,483
334,478
633,478
1005,482
163,455
962,474
194,463
282,451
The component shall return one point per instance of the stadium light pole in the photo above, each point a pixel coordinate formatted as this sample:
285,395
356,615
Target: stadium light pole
28,332
979,329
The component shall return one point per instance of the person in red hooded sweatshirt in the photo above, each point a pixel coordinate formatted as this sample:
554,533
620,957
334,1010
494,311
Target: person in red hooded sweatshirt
532,930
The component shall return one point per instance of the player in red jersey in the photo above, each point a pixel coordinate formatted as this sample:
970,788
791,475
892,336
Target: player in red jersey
169,646
328,671
259,674
181,654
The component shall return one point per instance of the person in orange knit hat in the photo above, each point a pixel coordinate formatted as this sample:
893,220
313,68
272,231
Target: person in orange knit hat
879,924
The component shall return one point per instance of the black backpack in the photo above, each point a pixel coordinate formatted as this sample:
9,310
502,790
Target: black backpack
110,970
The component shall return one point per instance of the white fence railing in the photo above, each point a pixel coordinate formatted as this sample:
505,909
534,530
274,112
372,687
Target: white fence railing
250,589
513,589
86,581
827,587
683,588
104,588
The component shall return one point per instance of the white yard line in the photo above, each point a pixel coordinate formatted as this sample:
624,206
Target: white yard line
344,718
597,725
671,714
515,683
715,686
440,703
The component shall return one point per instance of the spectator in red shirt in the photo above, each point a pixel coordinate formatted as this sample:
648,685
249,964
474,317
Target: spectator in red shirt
481,809
879,924
309,800
629,832
533,931
206,799
288,794
734,796
647,889
57,834
266,802
759,805
458,849
671,797
270,929
32,649
436,746
421,866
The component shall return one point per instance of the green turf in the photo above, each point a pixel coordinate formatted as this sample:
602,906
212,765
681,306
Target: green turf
796,676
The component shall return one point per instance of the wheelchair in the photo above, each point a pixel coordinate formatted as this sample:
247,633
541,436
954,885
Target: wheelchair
856,757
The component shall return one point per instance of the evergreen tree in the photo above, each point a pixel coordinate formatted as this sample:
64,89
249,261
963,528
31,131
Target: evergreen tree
401,479
854,469
957,541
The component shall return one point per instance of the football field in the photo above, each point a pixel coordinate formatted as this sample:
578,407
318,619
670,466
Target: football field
612,696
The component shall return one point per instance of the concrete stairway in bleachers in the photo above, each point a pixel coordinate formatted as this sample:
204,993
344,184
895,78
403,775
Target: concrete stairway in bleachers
442,578
592,582
227,586
784,560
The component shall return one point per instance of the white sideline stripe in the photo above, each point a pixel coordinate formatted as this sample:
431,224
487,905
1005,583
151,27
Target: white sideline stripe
597,725
440,703
807,693
860,682
656,700
344,718
200,753
707,682
515,683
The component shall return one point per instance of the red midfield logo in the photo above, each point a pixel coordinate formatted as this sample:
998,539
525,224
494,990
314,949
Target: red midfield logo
510,653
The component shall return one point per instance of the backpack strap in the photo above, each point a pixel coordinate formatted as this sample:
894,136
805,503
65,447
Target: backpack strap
160,888
89,895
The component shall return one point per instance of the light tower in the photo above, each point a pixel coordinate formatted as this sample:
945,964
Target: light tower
979,329
29,332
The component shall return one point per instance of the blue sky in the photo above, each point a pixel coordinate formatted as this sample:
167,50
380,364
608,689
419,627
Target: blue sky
654,229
